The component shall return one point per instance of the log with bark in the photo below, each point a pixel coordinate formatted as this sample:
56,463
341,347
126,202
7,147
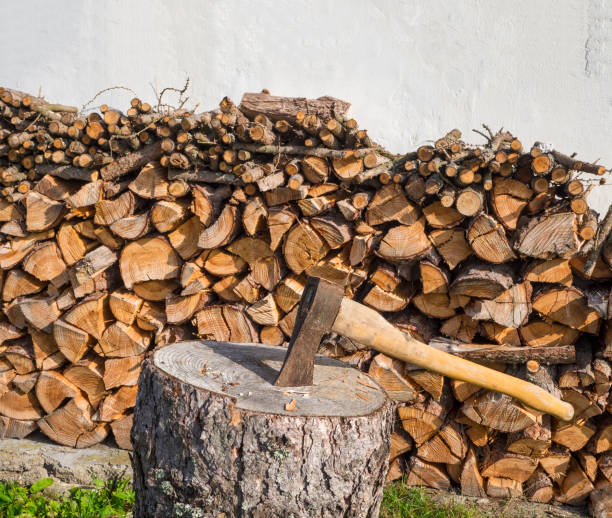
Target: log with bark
274,431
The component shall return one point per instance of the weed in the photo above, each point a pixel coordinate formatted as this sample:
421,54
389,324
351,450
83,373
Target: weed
400,501
110,499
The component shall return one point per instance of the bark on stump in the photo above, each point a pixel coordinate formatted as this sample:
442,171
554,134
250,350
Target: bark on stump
213,437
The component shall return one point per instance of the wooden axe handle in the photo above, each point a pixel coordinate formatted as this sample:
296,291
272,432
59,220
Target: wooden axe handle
368,327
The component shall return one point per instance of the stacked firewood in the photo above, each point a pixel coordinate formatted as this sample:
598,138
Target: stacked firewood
122,232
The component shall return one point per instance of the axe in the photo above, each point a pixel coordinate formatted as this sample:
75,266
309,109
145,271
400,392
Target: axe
324,309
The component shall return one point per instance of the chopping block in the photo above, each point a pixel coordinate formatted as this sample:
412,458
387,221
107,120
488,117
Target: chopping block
226,430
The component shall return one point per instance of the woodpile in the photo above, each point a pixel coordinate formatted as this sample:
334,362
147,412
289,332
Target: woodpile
125,231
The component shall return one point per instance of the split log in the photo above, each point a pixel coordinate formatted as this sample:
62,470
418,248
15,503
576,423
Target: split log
71,341
223,323
438,216
499,412
121,340
390,204
508,200
166,216
122,372
222,231
52,389
549,236
449,445
512,466
451,245
42,213
116,403
556,464
541,333
511,308
460,327
151,182
539,487
435,305
433,278
423,473
148,259
603,233
303,247
488,240
553,271
425,417
431,382
70,424
472,483
208,202
388,373
70,242
533,441
124,306
404,242
20,358
92,315
20,406
88,376
46,264
388,301
121,428
575,486
567,306
482,280
504,488
573,436
109,211
16,429
39,312
500,334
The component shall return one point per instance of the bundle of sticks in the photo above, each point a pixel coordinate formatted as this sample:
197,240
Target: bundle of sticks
121,232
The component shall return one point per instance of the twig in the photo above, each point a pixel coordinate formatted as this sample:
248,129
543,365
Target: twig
104,91
33,122
482,134
490,132
172,89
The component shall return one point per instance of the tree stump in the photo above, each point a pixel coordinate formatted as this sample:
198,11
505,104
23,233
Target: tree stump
213,437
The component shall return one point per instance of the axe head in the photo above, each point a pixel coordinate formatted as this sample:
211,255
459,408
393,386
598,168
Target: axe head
316,314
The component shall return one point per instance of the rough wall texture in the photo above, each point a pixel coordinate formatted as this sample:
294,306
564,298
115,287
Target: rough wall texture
540,68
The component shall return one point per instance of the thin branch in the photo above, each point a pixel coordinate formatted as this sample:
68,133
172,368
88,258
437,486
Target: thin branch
172,89
84,107
482,134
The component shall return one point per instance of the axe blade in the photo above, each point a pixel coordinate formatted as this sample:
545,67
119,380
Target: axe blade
316,314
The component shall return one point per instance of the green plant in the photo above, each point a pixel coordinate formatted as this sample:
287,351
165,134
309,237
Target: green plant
400,501
110,499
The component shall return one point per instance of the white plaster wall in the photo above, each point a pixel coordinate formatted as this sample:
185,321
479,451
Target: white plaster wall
412,69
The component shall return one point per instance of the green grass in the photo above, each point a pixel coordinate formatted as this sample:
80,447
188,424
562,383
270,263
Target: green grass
114,499
110,499
412,502
400,501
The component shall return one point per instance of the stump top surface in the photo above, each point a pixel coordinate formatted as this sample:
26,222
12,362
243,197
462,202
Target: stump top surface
246,372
